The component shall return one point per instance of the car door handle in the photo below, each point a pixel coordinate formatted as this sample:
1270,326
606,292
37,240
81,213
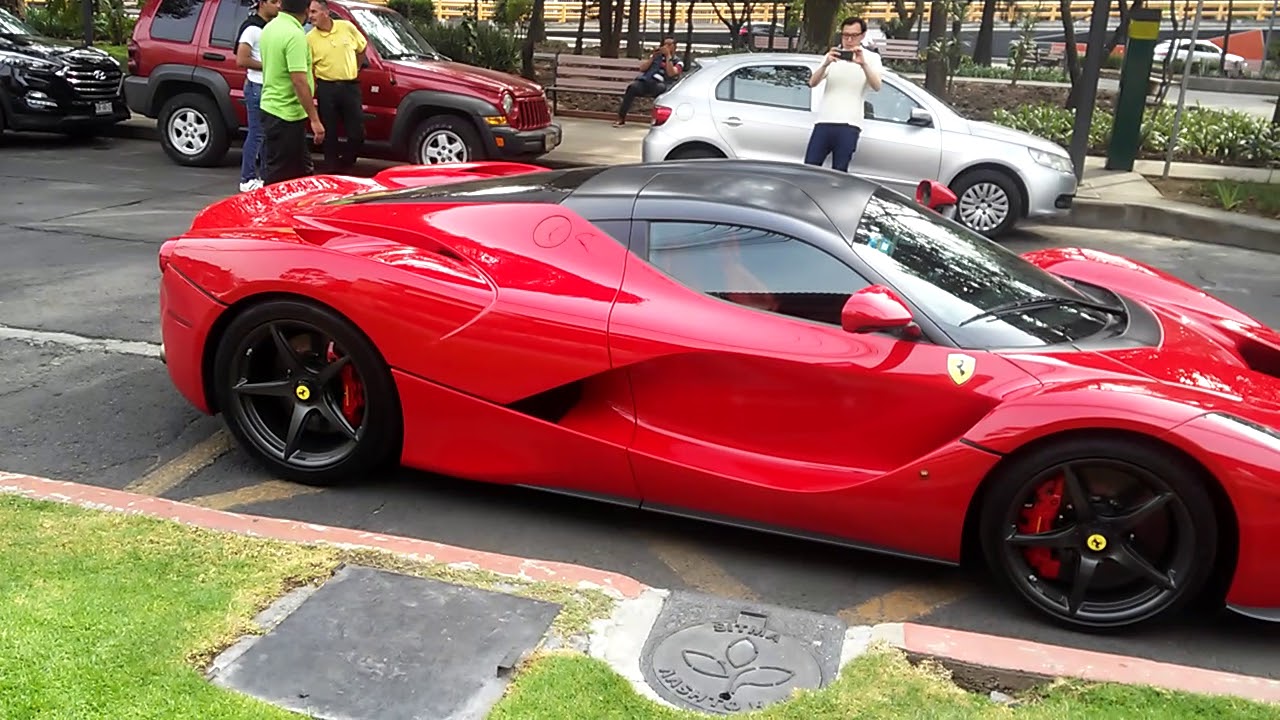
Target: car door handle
213,56
733,121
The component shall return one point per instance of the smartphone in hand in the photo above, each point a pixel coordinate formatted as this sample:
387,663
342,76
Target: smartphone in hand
846,55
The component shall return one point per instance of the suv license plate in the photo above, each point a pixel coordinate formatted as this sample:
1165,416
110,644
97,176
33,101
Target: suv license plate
102,108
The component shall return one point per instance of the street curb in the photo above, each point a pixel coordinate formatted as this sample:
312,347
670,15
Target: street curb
617,639
1179,220
1033,658
98,498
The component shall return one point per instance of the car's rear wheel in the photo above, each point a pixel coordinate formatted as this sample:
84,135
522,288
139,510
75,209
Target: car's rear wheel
1099,533
694,152
306,393
192,130
987,201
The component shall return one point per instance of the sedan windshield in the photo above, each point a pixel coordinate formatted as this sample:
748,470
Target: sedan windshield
10,25
982,295
392,36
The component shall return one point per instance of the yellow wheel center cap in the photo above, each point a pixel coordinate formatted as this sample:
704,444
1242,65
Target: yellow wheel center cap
1096,542
303,392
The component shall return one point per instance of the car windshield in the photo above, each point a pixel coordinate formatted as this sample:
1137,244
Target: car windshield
10,25
393,36
956,276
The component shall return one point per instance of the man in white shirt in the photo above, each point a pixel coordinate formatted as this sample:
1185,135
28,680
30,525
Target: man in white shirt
849,72
249,57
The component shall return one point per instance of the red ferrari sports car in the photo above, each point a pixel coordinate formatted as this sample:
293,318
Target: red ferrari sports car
769,345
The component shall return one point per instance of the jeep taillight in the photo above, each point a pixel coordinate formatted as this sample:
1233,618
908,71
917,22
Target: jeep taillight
660,114
133,56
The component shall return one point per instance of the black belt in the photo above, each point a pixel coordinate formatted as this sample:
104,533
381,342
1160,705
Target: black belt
348,82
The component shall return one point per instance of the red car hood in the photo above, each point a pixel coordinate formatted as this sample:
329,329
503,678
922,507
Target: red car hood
467,76
1205,345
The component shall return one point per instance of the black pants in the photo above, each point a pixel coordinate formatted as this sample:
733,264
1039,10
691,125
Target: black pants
646,87
340,101
838,140
286,152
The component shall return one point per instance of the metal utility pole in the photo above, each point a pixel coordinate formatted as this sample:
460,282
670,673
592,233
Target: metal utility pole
1088,91
1182,90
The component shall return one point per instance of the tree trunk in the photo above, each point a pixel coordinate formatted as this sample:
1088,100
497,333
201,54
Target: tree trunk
582,26
986,34
608,39
633,30
13,6
1275,116
537,27
935,68
1072,55
819,24
671,20
688,36
1226,40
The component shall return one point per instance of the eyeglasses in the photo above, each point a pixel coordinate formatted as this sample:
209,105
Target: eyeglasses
852,34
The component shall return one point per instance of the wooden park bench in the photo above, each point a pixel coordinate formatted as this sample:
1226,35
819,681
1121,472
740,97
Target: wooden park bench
780,42
588,74
898,49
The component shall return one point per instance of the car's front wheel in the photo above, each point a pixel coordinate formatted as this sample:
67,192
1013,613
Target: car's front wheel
987,201
305,393
1100,533
445,139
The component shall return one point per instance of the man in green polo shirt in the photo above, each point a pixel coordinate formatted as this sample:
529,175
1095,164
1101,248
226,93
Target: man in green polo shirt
287,102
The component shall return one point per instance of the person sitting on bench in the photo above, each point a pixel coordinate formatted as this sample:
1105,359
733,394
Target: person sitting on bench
656,71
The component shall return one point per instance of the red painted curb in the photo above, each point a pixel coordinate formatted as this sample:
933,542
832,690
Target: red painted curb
98,498
1054,660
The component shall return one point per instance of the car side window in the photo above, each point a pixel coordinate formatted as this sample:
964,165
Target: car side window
176,20
226,22
889,104
784,86
756,268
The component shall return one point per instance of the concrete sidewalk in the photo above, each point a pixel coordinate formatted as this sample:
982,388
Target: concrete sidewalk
645,626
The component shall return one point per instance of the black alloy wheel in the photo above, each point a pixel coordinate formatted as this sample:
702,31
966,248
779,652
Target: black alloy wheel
1101,534
306,394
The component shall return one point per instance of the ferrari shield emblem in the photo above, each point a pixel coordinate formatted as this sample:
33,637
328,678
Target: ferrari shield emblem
960,368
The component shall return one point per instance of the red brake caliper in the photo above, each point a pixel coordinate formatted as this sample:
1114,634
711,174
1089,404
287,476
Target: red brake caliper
352,390
1039,518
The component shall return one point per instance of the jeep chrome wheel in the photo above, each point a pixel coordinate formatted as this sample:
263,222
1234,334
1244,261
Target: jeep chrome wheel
445,139
192,130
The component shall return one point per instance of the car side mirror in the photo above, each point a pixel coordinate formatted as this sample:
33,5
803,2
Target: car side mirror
937,197
921,117
874,308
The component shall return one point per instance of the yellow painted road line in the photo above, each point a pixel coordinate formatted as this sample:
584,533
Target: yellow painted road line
268,491
907,603
171,474
700,572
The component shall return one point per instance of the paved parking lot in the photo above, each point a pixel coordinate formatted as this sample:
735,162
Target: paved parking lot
79,228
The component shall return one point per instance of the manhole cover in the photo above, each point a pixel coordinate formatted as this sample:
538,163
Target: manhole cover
732,666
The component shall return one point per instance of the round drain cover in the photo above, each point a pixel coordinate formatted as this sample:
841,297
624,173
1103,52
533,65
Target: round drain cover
732,666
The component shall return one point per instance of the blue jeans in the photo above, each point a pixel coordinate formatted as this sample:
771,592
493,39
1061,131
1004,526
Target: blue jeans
253,141
835,139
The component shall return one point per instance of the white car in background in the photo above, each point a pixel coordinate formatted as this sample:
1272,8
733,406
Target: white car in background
759,106
1205,54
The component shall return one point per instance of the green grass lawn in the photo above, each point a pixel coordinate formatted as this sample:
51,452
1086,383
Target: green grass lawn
107,615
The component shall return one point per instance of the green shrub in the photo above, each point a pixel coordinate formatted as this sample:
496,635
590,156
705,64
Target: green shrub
1222,136
489,47
418,12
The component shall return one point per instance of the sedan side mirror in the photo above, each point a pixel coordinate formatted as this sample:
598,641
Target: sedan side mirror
921,117
874,308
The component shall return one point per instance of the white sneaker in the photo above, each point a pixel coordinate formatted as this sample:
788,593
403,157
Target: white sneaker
248,185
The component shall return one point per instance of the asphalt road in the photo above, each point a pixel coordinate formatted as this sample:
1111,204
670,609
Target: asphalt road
79,228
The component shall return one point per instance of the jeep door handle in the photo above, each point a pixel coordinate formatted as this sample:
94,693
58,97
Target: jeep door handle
213,56
733,121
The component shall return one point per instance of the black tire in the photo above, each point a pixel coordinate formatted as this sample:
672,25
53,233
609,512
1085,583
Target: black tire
992,192
1184,529
248,351
192,130
445,138
694,152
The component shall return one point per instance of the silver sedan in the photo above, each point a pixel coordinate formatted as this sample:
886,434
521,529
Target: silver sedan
759,106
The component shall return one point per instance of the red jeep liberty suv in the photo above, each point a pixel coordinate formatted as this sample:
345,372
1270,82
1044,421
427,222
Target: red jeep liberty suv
424,107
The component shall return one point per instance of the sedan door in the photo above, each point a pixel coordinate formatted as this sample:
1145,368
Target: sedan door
753,405
765,111
899,147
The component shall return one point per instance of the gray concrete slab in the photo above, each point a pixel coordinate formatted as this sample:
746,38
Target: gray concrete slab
723,656
375,645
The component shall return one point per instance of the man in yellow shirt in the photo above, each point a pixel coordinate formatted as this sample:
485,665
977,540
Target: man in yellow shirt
337,54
